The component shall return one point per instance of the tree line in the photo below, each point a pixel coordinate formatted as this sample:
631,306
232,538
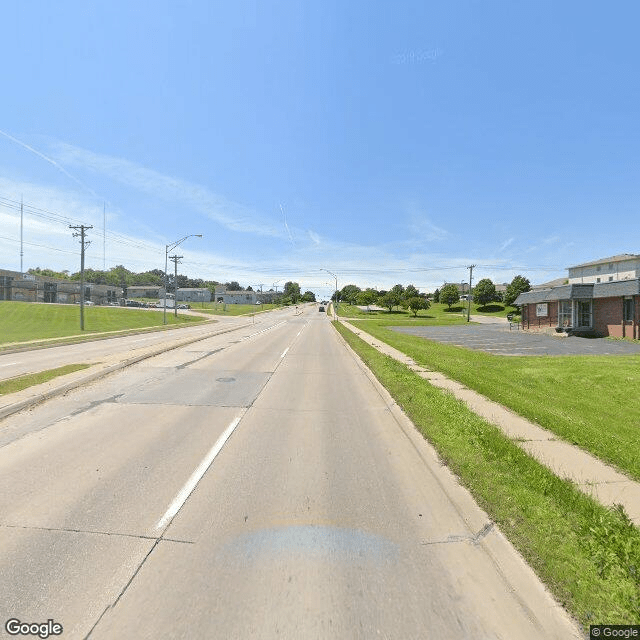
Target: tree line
409,297
120,276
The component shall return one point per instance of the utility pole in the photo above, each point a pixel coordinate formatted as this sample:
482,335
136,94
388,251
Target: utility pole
80,232
470,267
175,283
104,236
21,234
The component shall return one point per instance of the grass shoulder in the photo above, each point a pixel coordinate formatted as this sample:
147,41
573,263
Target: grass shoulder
219,309
586,400
587,555
13,385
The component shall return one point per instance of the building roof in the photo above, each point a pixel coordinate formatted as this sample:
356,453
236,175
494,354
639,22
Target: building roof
552,283
620,258
616,289
145,286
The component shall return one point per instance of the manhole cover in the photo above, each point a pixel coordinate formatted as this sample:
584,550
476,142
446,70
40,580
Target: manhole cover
225,379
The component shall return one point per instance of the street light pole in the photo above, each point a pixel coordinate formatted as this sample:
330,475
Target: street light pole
171,247
335,311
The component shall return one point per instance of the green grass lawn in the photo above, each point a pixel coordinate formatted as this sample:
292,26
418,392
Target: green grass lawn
591,401
23,382
24,321
436,314
588,555
232,309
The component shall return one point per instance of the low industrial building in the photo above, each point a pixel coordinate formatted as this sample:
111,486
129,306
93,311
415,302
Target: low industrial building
145,291
25,287
193,295
600,298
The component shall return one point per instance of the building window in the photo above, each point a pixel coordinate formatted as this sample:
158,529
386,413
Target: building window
542,310
598,268
597,279
564,313
583,309
610,278
628,309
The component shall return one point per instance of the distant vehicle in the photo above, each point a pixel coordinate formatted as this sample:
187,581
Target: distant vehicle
184,306
320,308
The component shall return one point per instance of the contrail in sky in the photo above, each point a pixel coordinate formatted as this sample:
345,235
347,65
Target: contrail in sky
286,226
50,161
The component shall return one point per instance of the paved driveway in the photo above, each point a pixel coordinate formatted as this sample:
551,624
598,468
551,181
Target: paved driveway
496,338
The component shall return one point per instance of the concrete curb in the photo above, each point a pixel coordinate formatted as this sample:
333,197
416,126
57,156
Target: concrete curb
592,476
533,594
39,393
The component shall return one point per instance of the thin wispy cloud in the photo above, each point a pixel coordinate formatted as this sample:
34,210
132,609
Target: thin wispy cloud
286,226
422,228
231,215
505,244
51,161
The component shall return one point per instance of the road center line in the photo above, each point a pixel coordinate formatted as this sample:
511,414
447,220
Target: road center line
284,353
8,364
196,476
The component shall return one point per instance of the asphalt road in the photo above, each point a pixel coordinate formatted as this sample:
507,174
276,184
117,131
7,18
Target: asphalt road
91,352
257,484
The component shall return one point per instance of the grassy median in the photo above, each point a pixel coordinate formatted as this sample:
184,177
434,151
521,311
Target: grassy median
588,555
219,309
12,385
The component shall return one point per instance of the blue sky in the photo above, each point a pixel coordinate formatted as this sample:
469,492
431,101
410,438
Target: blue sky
385,142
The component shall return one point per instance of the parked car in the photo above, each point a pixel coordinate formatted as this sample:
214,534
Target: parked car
320,308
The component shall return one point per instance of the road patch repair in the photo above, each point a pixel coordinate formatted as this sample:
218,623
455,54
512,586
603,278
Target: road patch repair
591,475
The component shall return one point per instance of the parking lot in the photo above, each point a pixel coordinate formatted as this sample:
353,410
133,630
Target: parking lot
498,339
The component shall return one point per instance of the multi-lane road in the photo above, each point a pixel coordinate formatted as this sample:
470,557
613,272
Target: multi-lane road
253,484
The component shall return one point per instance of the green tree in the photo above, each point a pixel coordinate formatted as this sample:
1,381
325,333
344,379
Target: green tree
518,285
349,292
436,295
449,295
416,303
367,297
410,292
308,296
389,300
484,292
292,291
233,286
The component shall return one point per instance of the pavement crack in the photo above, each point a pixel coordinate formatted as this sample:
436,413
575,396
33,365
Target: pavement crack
206,355
96,533
455,538
96,403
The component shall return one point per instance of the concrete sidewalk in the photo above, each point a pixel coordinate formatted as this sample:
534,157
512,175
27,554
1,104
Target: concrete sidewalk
591,475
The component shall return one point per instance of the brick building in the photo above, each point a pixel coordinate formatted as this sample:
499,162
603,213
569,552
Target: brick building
600,298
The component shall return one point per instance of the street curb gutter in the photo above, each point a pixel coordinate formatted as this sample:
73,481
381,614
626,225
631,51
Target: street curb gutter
42,392
527,588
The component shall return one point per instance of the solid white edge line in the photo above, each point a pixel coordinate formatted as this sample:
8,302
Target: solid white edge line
196,476
284,353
